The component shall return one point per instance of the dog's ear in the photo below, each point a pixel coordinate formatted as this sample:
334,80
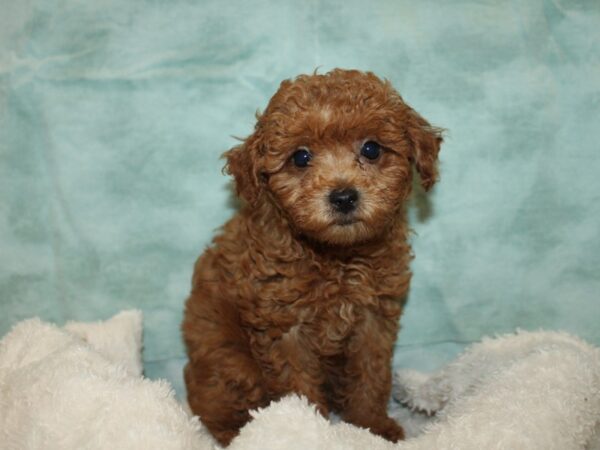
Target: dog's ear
242,163
426,141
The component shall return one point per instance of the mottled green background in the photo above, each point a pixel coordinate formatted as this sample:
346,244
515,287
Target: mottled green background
113,115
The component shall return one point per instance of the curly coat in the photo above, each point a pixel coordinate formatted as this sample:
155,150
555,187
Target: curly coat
291,296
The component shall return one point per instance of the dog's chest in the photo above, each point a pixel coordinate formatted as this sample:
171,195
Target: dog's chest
321,308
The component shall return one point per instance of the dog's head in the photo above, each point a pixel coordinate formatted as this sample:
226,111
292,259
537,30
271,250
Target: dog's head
335,153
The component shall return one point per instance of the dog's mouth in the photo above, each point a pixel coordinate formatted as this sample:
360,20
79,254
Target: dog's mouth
344,229
345,221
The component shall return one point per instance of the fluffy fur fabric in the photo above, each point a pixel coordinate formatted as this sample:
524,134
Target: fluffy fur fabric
529,390
526,390
302,291
80,388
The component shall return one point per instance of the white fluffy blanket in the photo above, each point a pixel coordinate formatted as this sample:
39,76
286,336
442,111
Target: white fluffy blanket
80,387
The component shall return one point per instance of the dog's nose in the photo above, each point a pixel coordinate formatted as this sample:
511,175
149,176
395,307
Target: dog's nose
344,200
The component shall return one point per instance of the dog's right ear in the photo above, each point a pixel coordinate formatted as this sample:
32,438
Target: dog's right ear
426,141
242,163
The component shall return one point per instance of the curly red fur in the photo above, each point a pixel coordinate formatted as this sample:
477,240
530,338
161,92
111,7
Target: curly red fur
291,297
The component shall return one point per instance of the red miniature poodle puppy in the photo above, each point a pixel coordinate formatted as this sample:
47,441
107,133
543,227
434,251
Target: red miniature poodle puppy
302,290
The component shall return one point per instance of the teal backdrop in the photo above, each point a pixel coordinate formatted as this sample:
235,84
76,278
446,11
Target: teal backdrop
114,114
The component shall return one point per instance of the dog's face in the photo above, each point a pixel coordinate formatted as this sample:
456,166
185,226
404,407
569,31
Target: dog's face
335,152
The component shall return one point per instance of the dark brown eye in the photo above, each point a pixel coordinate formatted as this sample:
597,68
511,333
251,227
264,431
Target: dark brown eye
371,150
301,157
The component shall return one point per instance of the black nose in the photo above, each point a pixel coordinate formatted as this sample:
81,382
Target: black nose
344,200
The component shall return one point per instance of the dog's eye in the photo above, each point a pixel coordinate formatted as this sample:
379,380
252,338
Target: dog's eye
301,157
371,150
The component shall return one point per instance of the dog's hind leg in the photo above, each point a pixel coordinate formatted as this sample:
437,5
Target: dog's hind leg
223,380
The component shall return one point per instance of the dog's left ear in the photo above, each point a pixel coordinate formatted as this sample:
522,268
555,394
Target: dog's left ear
242,163
426,141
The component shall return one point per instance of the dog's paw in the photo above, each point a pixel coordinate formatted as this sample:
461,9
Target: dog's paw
388,429
224,437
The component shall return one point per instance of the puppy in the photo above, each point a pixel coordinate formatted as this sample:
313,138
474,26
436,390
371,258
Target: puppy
302,290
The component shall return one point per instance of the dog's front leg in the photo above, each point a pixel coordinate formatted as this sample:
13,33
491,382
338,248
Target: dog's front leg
365,391
296,368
